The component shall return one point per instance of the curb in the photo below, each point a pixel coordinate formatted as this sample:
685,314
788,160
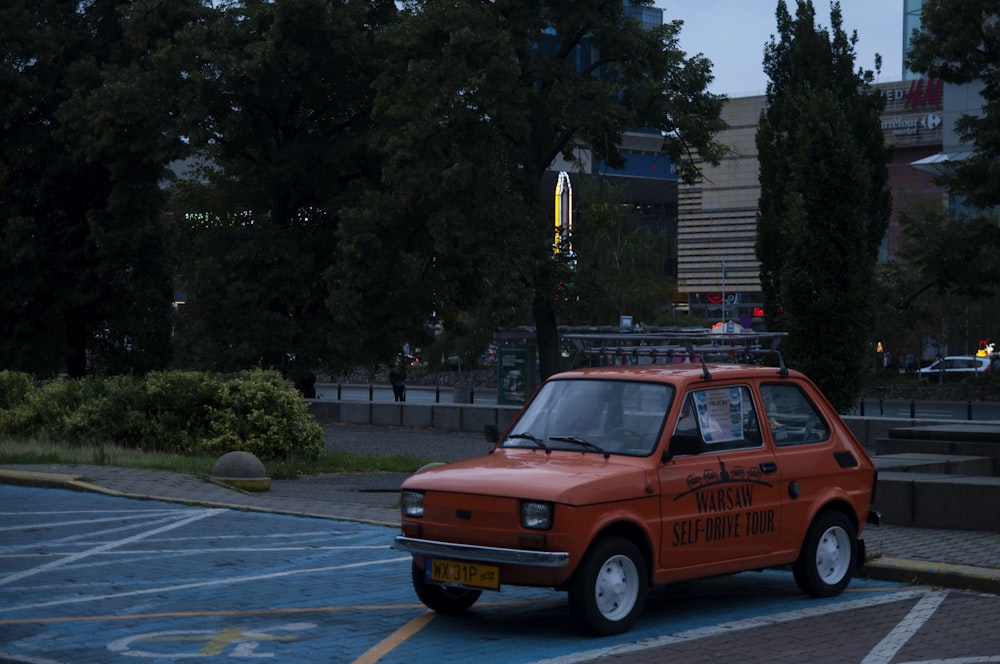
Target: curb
52,481
945,575
49,480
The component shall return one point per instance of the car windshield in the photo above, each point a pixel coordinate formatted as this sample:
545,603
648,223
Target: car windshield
594,416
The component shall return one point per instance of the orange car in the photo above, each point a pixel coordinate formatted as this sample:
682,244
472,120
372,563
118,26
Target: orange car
613,479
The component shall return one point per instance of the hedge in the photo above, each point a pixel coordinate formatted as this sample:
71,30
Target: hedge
179,412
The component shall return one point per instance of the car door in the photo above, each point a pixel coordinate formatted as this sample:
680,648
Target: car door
720,496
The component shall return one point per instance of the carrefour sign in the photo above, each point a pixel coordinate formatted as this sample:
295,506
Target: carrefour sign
912,115
910,126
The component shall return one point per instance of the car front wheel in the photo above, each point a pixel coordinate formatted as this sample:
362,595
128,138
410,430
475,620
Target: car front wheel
826,562
443,599
607,592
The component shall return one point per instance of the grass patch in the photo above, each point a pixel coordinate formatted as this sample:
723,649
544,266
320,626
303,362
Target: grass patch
20,452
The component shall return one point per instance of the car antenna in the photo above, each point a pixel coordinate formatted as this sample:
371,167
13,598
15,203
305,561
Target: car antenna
705,373
782,367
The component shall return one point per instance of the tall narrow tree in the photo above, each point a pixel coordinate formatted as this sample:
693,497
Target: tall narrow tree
824,201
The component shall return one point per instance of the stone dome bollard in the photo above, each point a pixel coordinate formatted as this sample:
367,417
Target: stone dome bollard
241,470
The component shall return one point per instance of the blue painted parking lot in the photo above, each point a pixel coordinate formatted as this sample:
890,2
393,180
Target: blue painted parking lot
92,578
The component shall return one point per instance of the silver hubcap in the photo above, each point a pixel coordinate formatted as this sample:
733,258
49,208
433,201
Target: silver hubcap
833,555
617,587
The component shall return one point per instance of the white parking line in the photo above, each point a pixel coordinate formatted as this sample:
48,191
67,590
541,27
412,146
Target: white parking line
82,538
202,584
106,547
115,519
907,627
728,628
211,550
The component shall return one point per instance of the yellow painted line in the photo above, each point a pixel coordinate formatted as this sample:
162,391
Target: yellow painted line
245,612
389,643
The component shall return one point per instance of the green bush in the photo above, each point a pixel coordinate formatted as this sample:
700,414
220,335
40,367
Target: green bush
188,413
180,406
261,414
14,388
53,411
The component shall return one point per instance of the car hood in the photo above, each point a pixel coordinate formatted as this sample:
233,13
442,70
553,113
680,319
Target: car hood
570,478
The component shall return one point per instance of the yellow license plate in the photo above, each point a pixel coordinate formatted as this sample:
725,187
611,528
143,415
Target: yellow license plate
472,575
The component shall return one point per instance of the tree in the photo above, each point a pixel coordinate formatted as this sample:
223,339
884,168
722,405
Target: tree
824,201
959,42
87,125
617,265
954,272
478,99
279,106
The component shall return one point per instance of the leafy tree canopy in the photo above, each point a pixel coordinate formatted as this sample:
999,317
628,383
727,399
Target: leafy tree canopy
477,100
618,263
87,124
955,258
279,103
959,42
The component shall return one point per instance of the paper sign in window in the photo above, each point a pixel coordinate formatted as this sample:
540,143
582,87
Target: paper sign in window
720,414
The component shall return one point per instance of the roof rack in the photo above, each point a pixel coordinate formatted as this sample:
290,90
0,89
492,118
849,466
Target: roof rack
669,345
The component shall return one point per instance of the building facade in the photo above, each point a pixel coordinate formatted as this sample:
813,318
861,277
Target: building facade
717,267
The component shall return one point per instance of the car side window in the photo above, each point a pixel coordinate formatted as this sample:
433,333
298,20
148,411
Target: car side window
724,418
791,416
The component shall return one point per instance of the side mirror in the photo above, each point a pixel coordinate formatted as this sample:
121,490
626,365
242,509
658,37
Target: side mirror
490,431
684,445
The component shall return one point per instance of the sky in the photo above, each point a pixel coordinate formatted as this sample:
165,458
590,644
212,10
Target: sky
732,34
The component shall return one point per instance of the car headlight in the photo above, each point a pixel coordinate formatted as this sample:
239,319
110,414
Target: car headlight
537,516
412,503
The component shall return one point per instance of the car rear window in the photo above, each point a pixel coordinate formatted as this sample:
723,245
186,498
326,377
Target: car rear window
791,416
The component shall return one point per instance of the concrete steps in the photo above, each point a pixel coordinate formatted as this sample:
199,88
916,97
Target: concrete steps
942,476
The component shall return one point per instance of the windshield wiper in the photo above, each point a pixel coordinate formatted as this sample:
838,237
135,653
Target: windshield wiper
582,443
532,437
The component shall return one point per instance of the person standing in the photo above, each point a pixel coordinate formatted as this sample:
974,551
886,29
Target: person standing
397,377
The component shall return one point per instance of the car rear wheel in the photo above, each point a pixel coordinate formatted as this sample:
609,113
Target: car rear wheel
443,599
607,592
826,562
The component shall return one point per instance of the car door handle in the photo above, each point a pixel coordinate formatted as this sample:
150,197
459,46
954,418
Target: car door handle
768,467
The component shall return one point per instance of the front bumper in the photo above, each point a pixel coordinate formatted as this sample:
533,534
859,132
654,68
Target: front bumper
483,554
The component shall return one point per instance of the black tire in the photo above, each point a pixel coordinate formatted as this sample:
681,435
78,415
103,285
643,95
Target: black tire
607,593
827,560
443,599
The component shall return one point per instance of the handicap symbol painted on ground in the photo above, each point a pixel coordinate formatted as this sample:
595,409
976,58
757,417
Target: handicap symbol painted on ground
230,642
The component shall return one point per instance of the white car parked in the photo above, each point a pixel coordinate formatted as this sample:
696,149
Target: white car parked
955,367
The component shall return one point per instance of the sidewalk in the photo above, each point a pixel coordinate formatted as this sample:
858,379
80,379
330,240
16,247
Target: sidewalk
948,558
